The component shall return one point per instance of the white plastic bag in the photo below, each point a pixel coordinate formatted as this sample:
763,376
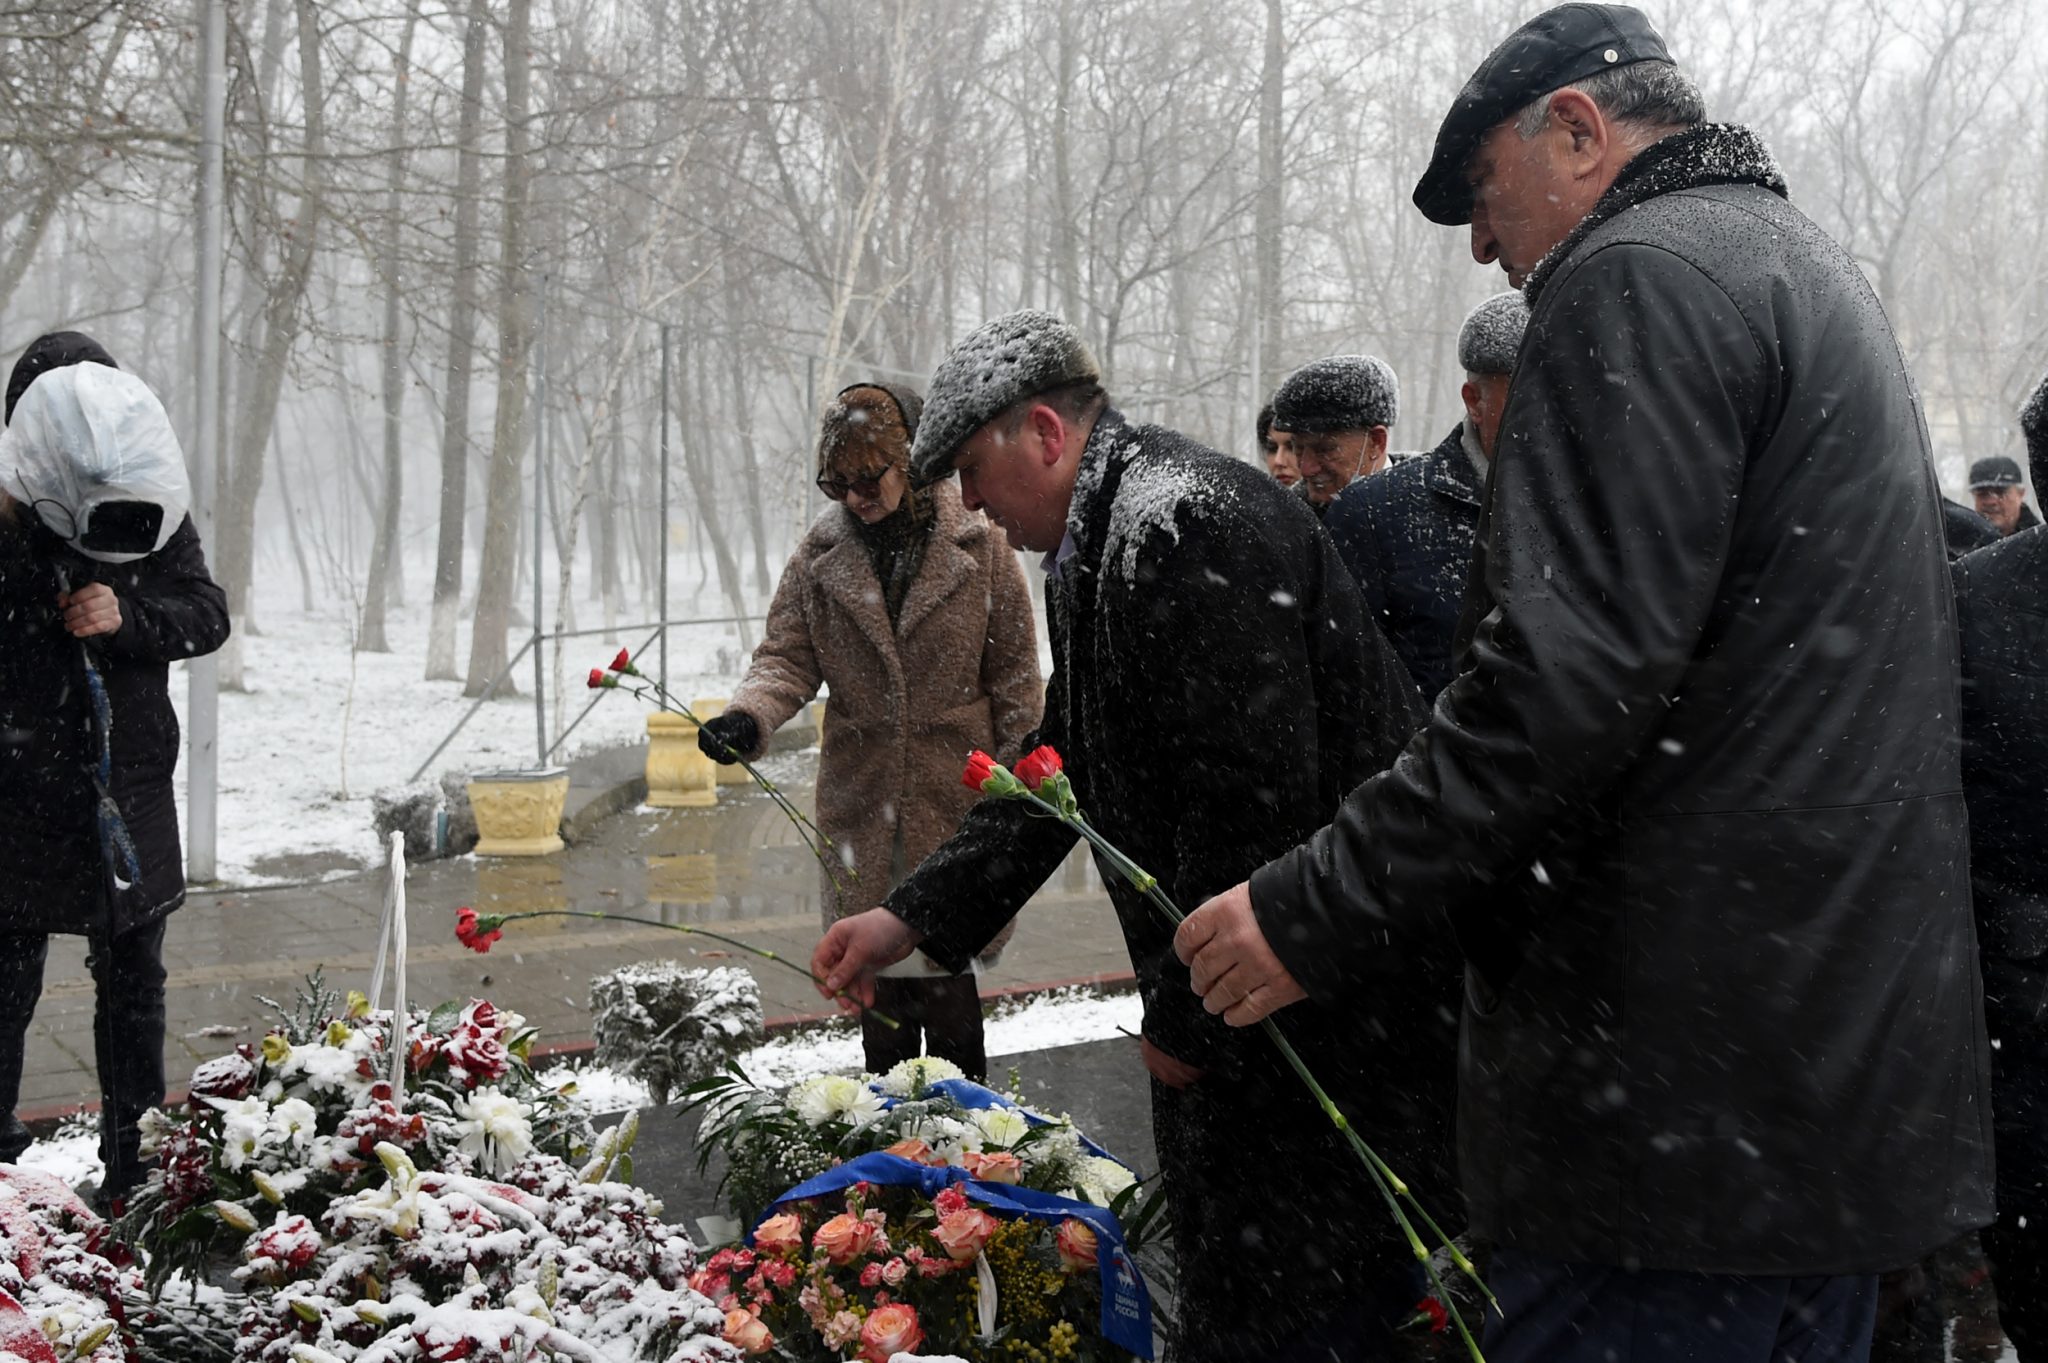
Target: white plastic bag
86,435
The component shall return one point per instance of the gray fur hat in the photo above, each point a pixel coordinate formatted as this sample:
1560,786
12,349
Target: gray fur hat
1492,334
1338,393
1016,356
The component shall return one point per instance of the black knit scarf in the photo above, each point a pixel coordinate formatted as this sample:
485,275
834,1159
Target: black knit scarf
896,545
1710,154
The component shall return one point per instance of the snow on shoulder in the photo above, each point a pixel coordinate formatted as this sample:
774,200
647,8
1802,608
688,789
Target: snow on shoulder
1160,494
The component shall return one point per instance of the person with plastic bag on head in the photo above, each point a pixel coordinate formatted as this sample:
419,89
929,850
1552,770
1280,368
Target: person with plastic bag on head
103,585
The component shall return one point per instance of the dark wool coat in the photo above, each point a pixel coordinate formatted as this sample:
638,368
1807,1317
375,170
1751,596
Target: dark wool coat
51,868
1693,803
1406,535
1216,689
2002,611
957,671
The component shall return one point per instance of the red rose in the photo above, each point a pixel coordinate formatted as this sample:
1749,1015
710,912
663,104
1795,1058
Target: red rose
476,931
980,767
624,662
1038,766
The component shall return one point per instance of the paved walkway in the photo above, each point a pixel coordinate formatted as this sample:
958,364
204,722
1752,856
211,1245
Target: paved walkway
738,868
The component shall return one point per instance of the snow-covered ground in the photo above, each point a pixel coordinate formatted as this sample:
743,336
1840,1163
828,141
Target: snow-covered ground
1064,1018
323,726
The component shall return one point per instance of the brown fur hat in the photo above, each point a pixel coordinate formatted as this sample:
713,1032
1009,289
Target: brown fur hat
868,427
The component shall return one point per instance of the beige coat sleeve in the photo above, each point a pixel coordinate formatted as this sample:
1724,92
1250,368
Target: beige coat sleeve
784,675
1009,662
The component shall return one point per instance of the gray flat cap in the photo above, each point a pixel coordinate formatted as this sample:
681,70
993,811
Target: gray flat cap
1016,356
1492,334
1338,393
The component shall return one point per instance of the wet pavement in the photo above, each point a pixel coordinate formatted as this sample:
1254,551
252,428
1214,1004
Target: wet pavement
738,869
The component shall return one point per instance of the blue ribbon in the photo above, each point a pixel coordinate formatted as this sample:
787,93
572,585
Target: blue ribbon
969,1094
1126,1305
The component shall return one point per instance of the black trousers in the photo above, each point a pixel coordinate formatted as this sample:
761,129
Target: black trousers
2016,1011
1553,1311
940,1017
127,1033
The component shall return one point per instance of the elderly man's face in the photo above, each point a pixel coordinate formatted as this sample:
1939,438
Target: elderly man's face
1331,461
2001,506
1528,194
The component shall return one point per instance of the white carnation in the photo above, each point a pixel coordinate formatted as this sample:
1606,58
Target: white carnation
919,1072
835,1098
494,1130
1101,1180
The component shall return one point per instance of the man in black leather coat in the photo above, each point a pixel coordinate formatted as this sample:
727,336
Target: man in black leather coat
1693,804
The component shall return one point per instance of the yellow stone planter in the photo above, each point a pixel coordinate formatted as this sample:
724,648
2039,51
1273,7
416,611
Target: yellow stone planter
710,707
678,776
519,813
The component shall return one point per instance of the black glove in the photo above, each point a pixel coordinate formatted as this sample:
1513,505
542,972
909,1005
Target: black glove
728,737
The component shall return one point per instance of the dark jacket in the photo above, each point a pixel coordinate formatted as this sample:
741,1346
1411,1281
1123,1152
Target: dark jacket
1216,689
51,867
1406,535
1964,530
1693,802
2002,611
2034,426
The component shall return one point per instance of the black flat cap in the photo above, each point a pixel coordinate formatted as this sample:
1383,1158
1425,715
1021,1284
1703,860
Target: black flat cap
1997,471
1551,51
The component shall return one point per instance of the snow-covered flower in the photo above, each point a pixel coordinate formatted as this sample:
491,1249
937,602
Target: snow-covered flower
295,1121
244,1124
919,1072
835,1098
495,1130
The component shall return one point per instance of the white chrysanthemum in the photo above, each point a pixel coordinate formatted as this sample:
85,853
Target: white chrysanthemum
918,1072
494,1130
835,1098
1000,1127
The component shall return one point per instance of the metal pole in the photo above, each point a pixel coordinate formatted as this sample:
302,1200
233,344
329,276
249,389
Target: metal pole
661,591
202,713
813,498
540,485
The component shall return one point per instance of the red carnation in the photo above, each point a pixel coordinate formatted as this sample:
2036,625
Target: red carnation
980,767
599,681
476,931
1434,1311
624,662
1039,766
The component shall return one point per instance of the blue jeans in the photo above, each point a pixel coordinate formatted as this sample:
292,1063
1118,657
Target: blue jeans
1558,1312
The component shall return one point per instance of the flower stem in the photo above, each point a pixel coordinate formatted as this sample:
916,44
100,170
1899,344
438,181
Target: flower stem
1392,1188
748,947
815,838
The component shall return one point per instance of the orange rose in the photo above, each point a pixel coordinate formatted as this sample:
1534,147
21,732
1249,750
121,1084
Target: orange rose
888,1331
914,1150
997,1166
745,1332
844,1238
1076,1245
963,1233
779,1233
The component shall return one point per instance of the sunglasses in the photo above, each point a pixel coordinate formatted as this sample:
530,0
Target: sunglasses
838,488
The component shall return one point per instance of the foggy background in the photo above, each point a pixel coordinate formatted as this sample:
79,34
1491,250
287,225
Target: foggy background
456,226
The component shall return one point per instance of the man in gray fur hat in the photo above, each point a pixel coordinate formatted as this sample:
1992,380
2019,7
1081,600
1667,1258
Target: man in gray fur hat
1216,688
1334,417
1406,532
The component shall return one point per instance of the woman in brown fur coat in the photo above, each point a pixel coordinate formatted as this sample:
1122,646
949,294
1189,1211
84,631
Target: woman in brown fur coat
913,611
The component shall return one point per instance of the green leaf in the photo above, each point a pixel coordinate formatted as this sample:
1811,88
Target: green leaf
442,1020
